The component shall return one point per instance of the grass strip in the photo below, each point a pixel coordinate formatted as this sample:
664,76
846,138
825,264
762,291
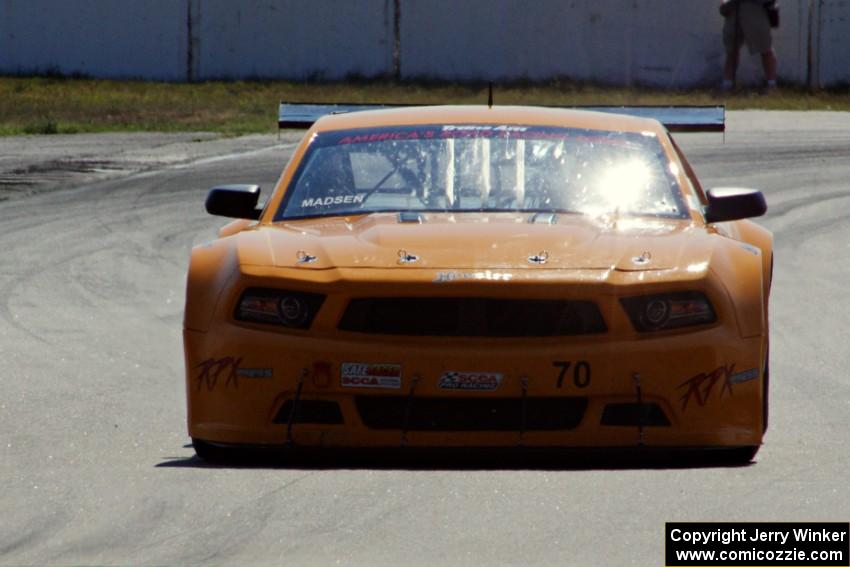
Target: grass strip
52,105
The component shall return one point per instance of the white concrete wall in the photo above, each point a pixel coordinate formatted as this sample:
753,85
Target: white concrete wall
297,39
102,38
832,43
664,43
613,41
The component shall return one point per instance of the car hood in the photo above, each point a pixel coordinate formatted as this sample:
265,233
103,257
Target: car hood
477,241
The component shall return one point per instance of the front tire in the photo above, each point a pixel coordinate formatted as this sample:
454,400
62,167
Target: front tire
739,455
213,453
765,392
220,454
716,456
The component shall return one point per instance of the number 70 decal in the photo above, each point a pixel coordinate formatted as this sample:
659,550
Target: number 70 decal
580,372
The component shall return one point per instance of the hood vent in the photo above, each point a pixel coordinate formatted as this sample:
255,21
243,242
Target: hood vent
410,217
543,218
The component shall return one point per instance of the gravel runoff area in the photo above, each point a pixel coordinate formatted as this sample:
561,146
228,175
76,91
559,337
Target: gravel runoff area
35,164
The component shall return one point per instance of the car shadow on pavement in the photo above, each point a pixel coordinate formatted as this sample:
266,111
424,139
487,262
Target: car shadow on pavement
417,459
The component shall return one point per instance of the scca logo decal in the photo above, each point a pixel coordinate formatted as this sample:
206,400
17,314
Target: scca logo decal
358,375
481,381
358,381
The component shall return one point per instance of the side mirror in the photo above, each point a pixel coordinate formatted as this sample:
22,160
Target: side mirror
234,201
732,203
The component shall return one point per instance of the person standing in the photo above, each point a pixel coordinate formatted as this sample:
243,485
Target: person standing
747,21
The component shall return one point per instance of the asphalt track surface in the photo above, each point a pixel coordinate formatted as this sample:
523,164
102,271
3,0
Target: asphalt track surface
95,466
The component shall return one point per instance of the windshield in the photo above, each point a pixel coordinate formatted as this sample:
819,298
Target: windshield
456,168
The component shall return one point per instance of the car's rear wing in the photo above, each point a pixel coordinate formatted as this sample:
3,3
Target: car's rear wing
674,118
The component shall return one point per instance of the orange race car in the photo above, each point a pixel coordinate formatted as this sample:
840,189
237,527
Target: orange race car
463,276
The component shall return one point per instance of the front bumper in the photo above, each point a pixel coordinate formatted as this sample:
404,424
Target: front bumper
697,389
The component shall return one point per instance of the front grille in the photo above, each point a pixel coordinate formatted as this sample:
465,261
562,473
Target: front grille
472,317
471,414
311,411
633,414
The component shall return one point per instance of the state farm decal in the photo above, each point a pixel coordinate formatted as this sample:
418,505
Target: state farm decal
359,375
477,381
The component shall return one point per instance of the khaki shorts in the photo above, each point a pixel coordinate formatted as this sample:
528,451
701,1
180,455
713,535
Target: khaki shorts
753,28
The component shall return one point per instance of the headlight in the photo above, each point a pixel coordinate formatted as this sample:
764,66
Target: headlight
668,311
293,309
